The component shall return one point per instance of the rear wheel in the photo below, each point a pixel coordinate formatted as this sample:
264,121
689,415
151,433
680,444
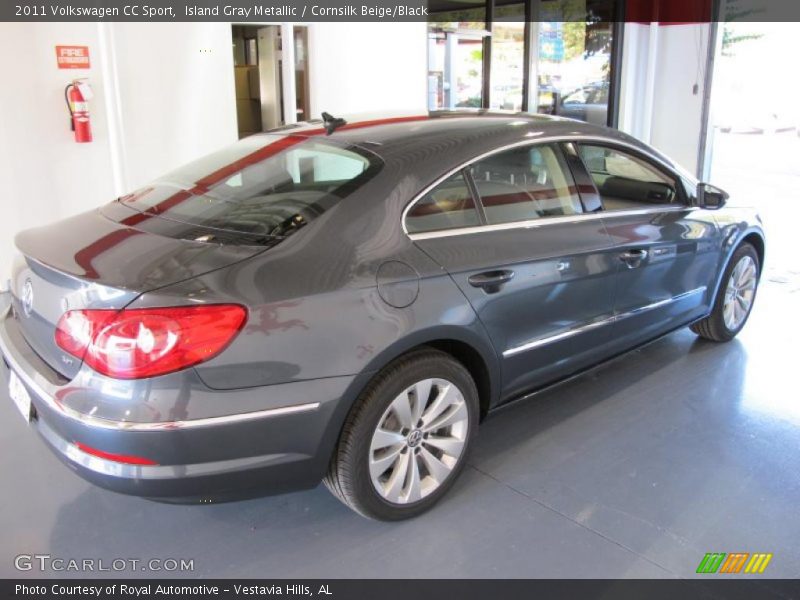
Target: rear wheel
735,298
407,439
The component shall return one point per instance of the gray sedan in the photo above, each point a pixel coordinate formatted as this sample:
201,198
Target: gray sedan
346,300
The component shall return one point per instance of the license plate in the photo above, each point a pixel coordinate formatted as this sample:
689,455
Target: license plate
20,395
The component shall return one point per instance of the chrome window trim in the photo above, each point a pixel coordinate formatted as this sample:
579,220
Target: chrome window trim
46,392
533,223
536,222
549,339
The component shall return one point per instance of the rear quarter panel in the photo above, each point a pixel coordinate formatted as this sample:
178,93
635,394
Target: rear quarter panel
295,333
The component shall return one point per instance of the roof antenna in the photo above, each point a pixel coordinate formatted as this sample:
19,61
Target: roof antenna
332,123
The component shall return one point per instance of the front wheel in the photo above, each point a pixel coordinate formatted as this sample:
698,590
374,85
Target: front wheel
407,438
735,298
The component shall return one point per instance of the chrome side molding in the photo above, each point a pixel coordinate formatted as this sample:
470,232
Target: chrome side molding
549,339
154,472
542,341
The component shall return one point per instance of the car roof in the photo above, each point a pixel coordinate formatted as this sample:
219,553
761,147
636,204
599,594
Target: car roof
385,129
472,131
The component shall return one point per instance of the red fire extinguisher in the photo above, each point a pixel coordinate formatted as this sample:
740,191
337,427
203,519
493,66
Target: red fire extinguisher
77,94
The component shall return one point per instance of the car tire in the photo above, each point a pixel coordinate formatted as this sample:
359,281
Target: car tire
719,326
355,473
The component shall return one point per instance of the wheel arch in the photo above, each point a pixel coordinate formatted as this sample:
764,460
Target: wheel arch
474,363
756,240
751,235
464,344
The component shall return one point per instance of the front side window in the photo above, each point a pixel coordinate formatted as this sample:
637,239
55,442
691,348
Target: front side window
524,184
447,206
626,182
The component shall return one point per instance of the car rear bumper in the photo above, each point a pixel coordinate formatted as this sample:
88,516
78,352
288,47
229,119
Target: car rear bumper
285,445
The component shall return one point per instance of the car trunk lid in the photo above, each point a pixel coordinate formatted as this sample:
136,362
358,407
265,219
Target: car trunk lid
104,259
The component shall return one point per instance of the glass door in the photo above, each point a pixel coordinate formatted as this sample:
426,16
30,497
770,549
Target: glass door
455,69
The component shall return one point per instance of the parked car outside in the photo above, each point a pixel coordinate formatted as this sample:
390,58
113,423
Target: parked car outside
587,103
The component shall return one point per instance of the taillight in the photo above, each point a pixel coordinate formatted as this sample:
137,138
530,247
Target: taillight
145,342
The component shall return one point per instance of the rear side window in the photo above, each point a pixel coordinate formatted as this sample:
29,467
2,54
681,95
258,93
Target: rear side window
625,181
264,190
524,184
447,206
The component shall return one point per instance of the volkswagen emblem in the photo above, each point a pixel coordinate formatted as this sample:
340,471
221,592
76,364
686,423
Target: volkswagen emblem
27,298
414,438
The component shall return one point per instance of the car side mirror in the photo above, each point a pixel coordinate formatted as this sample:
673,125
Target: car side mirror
711,197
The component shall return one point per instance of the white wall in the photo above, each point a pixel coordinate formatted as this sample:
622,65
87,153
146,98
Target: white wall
176,94
367,67
44,173
660,106
176,103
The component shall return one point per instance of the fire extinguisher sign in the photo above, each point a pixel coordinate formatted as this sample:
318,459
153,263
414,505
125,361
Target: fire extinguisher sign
72,57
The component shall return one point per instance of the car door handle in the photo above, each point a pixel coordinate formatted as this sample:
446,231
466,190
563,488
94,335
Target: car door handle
491,281
633,258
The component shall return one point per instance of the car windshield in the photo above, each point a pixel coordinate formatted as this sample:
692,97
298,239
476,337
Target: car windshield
266,191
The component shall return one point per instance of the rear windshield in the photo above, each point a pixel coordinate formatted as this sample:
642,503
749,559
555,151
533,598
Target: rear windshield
264,190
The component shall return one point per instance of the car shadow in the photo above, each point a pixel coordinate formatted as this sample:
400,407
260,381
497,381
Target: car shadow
523,419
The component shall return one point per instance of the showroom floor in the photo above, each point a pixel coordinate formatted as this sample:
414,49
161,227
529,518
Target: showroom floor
634,470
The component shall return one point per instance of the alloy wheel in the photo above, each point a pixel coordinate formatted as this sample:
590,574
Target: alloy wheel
740,293
418,441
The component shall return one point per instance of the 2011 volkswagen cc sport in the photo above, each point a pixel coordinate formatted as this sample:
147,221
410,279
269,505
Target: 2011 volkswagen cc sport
345,300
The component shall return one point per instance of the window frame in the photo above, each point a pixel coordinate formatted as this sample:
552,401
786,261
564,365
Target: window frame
576,166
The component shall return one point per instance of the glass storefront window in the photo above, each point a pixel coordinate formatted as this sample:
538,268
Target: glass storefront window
455,70
508,57
455,54
463,15
559,64
573,60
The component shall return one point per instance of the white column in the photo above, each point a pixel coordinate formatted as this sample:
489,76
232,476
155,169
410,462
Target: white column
289,85
450,88
650,83
113,103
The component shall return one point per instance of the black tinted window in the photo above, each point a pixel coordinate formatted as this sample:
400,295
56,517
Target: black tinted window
625,181
526,183
267,190
447,206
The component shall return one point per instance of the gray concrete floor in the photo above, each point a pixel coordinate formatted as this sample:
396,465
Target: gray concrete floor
636,469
